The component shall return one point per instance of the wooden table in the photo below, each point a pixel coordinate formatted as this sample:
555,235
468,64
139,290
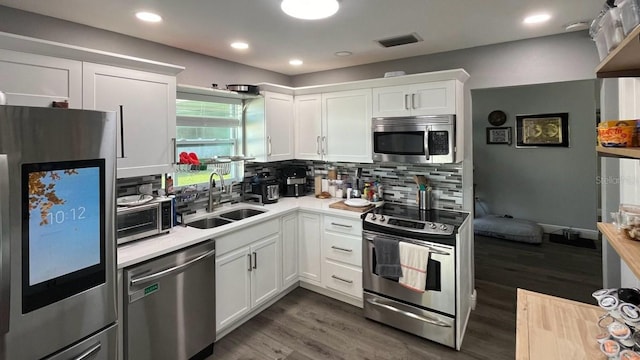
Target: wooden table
549,327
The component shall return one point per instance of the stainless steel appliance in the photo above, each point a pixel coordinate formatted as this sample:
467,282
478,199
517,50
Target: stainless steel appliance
294,181
266,186
137,222
431,314
420,139
57,233
170,309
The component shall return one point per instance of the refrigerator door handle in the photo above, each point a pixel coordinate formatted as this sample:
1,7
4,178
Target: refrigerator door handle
122,131
86,355
5,256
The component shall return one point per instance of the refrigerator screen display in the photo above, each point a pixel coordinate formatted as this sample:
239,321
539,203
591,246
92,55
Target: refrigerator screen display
63,230
64,222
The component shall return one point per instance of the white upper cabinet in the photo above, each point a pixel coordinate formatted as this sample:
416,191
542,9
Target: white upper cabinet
308,125
145,105
334,126
434,98
269,127
346,117
37,80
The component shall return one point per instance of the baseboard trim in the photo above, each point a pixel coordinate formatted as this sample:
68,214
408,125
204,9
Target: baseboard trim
584,233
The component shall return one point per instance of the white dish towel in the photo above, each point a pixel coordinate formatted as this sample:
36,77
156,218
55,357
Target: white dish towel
413,260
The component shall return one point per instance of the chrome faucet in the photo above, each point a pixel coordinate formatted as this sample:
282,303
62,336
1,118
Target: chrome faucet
212,185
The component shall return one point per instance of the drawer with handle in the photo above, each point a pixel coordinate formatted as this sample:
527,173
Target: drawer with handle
343,225
342,278
344,248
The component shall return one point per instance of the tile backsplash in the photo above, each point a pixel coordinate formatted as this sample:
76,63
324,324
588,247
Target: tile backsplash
397,178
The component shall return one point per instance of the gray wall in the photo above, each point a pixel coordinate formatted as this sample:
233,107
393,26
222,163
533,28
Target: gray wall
200,70
565,57
554,186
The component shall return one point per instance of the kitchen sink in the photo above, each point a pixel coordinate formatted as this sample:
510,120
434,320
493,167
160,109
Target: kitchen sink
208,223
240,214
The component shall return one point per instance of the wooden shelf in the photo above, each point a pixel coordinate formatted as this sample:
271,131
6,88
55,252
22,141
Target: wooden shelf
548,327
628,152
624,60
628,249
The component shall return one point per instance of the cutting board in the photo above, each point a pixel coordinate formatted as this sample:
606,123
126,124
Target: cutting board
342,206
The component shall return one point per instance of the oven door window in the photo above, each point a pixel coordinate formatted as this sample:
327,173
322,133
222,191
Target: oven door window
399,142
137,222
63,230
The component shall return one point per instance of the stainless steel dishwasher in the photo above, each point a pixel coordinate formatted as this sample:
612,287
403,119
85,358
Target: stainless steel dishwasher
169,310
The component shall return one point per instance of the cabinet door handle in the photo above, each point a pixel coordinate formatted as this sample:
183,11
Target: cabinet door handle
255,260
406,101
249,255
341,249
413,101
318,146
342,225
122,131
341,279
324,145
269,145
175,151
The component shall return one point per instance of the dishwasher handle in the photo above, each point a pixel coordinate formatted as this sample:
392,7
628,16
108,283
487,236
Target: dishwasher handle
170,270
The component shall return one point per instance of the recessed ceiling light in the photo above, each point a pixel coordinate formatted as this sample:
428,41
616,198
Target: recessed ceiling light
148,16
536,19
310,9
343,53
240,45
295,62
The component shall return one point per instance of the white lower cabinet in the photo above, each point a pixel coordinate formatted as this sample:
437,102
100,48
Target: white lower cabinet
309,247
342,252
289,228
247,271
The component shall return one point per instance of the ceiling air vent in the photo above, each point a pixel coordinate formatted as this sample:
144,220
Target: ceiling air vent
400,40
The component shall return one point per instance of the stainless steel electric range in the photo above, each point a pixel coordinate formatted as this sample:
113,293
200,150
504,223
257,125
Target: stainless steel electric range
430,314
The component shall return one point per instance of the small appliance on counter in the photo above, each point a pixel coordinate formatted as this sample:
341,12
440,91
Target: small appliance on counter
140,216
294,181
266,186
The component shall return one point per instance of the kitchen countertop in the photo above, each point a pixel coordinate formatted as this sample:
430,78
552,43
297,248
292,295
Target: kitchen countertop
548,327
180,237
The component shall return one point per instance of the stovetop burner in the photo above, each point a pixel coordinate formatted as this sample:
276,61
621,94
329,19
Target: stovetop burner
406,220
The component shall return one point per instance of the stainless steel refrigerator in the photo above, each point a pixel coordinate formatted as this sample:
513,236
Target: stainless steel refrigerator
57,246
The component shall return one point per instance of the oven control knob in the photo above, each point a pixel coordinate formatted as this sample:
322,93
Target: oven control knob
373,216
381,217
443,227
432,225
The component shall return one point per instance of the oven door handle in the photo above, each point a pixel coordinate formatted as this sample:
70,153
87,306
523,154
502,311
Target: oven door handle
411,315
431,249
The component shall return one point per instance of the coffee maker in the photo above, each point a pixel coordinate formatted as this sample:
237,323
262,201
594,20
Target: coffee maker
294,181
266,186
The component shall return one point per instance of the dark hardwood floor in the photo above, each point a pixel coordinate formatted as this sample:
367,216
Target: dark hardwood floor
305,325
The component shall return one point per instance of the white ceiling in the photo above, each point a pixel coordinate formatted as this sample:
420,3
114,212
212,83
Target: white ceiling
209,26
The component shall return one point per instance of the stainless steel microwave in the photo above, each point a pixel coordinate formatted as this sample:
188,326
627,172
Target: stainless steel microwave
418,140
137,222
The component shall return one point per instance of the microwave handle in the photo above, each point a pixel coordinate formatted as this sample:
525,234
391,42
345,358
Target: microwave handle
406,101
5,256
426,142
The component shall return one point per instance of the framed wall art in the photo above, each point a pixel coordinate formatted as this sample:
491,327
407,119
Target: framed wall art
542,130
499,135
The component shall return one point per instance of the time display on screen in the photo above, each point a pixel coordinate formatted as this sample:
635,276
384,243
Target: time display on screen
60,216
